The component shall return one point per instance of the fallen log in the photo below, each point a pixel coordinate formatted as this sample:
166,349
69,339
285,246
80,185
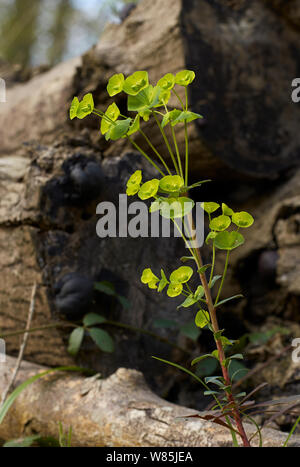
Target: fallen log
117,411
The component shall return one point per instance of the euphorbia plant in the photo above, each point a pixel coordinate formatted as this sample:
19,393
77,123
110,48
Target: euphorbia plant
169,195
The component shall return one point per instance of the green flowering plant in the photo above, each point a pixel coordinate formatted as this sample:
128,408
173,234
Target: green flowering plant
169,194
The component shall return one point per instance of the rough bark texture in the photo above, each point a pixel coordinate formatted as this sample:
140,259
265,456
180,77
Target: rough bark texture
117,411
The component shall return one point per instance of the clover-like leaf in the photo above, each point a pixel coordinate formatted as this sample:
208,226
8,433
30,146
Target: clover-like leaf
227,211
86,106
111,115
173,208
102,339
182,274
184,77
148,189
220,223
74,108
242,219
144,100
210,207
148,276
174,289
136,83
118,130
202,318
115,84
75,341
228,240
167,82
185,116
171,183
135,126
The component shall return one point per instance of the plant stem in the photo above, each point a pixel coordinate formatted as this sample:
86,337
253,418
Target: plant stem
155,150
145,155
221,354
177,151
213,264
223,278
167,143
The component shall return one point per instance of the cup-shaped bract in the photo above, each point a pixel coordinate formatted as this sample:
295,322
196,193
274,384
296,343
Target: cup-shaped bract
227,211
111,115
182,274
174,289
115,84
136,83
148,277
167,82
210,207
86,106
228,240
220,223
171,183
184,77
148,189
175,208
242,219
134,183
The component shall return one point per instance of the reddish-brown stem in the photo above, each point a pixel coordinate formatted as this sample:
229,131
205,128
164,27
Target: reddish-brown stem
215,327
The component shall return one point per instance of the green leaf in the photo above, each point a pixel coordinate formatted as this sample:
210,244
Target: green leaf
215,354
197,184
171,183
136,82
210,393
134,183
225,341
112,113
93,318
148,189
105,287
22,442
167,82
187,258
206,367
74,108
115,84
202,318
185,116
163,282
124,302
210,207
135,126
220,223
102,339
199,359
189,301
210,236
174,208
148,276
190,330
164,97
184,77
174,289
144,100
181,275
75,340
237,356
86,106
226,210
228,240
242,219
169,117
118,130
214,280
199,292
228,299
12,397
165,323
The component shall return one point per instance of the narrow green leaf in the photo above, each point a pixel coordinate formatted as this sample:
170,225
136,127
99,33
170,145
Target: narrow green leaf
214,280
228,299
102,339
202,357
75,340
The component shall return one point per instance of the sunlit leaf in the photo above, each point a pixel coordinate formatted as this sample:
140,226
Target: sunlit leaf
136,83
148,189
220,223
202,318
184,77
228,240
74,108
171,183
167,82
118,130
174,289
173,208
242,219
210,207
182,274
111,115
115,84
185,116
226,210
135,126
86,106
